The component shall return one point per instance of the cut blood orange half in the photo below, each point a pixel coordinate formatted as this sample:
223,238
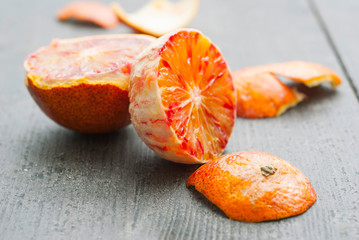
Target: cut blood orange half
82,83
182,98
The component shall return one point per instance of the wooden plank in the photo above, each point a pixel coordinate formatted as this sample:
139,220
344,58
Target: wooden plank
338,20
56,184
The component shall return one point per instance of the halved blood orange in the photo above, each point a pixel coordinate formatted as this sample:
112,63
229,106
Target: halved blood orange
82,83
261,94
254,186
182,98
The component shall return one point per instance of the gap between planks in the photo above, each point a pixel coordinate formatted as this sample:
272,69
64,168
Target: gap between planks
319,19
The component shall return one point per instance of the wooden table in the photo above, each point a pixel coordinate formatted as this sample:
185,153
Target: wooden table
58,184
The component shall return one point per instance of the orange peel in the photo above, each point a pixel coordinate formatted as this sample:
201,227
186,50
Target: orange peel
182,98
254,186
95,12
264,95
159,17
82,83
261,94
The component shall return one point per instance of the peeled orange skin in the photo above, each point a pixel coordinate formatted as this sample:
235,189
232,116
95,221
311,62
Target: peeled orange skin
261,94
159,17
82,83
182,98
308,73
96,12
235,183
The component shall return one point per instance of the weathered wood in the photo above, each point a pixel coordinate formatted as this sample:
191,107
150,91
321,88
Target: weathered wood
57,184
338,21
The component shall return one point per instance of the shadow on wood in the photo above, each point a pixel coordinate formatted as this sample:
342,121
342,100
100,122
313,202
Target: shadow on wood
205,202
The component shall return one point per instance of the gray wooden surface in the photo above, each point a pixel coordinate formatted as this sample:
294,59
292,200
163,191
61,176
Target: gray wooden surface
57,184
341,21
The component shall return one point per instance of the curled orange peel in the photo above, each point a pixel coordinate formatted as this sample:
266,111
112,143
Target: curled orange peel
254,186
159,17
261,94
95,12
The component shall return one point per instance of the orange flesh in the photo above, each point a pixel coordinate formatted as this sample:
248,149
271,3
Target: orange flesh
194,82
61,61
236,184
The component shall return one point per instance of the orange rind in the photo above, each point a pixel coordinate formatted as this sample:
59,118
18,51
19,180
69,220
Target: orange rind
182,98
82,83
95,12
159,17
261,94
264,95
254,186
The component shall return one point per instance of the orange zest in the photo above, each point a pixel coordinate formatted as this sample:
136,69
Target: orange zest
254,186
264,95
159,17
261,94
182,98
95,12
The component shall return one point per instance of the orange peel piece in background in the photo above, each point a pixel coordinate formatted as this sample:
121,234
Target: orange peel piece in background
182,98
261,94
159,17
254,186
95,12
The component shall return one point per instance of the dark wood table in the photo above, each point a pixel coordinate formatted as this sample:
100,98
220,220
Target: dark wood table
58,184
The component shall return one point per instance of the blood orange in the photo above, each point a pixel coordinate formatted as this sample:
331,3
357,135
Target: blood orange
82,83
182,98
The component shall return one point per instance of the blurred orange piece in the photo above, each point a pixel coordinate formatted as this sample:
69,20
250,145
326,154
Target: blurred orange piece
95,12
159,17
254,186
261,94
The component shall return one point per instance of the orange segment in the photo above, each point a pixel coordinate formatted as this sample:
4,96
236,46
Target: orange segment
189,86
95,12
264,95
82,83
254,186
159,17
261,94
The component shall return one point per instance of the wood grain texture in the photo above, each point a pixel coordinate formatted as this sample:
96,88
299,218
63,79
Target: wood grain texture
338,20
57,184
